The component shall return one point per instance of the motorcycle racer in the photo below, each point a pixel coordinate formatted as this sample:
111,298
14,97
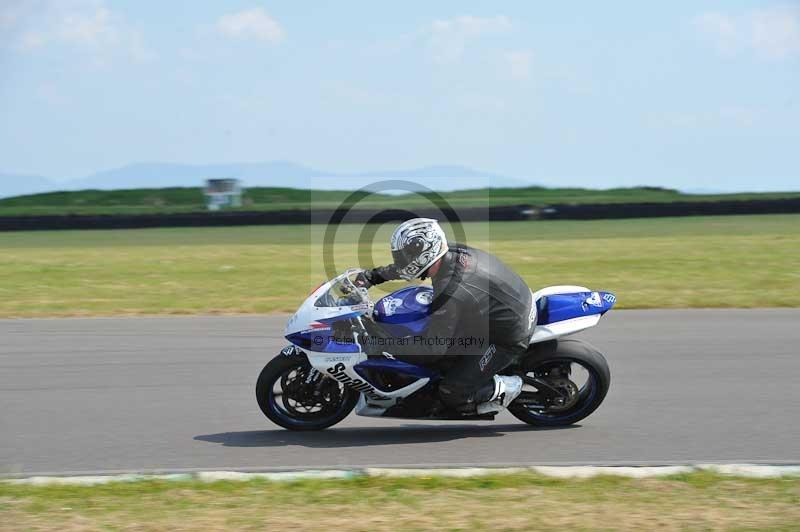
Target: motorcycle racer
474,294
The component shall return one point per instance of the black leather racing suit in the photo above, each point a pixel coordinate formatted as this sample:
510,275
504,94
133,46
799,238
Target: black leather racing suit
476,297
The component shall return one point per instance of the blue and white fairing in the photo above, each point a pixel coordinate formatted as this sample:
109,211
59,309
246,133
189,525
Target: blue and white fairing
559,311
310,329
338,299
565,310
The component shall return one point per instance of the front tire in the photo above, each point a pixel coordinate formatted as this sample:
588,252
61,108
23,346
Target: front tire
297,397
587,398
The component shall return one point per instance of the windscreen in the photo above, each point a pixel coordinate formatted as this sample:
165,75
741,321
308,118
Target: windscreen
342,293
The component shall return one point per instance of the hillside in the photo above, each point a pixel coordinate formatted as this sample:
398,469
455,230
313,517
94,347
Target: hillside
255,174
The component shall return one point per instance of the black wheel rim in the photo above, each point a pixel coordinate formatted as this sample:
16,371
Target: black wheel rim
587,386
302,395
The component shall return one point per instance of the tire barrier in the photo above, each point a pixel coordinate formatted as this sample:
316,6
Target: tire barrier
362,216
234,218
654,210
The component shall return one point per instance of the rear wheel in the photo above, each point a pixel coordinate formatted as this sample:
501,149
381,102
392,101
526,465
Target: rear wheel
571,378
295,396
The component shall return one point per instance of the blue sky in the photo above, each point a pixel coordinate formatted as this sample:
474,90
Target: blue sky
688,94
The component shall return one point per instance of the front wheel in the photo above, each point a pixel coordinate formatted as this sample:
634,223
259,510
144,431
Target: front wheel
571,379
295,396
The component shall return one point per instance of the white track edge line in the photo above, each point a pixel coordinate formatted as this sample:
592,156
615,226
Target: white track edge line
580,472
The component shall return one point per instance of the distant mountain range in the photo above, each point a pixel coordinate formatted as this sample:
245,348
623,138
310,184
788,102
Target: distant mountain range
18,184
268,174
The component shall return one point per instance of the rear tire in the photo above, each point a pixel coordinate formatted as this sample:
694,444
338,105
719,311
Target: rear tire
574,351
276,370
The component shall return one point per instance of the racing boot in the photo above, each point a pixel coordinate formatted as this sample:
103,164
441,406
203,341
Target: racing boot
506,389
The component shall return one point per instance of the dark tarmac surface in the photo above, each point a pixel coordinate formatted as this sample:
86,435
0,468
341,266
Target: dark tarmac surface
177,394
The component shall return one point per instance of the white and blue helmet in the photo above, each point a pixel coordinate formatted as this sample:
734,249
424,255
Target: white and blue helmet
416,245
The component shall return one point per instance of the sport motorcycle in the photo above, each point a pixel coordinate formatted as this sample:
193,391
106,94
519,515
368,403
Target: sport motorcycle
324,373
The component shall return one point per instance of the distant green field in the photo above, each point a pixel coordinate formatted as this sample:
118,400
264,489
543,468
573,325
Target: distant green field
731,261
142,201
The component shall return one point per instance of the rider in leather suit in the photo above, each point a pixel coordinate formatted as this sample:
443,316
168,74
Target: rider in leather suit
475,296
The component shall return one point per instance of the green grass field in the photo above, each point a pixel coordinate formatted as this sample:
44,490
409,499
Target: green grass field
698,501
734,261
143,201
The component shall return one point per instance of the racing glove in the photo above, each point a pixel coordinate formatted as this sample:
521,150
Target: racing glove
375,276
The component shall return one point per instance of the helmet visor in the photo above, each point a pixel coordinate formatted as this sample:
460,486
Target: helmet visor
407,265
401,259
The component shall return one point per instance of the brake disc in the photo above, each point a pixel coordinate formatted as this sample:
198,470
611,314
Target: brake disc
569,394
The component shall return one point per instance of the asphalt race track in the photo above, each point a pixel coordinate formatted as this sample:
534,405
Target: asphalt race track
175,394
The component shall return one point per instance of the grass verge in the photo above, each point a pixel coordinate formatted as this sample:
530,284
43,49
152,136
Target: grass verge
732,261
696,501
